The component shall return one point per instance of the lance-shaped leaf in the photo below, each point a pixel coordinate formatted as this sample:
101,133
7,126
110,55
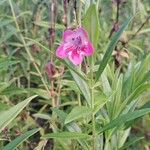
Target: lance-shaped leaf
91,24
7,116
78,112
125,118
16,142
111,47
66,135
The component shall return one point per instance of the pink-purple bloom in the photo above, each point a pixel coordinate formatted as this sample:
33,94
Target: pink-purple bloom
75,45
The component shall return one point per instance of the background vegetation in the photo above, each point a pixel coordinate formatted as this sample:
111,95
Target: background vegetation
48,103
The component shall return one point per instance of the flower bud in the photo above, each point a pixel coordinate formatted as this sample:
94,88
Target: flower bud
50,70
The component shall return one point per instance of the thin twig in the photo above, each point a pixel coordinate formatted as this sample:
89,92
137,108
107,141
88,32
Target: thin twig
26,48
139,29
51,44
117,14
142,25
65,19
115,25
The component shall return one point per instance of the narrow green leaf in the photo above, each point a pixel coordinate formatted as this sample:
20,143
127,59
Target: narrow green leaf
131,142
66,135
7,116
91,24
3,107
45,24
117,101
125,118
77,112
72,127
38,43
42,116
62,115
6,62
5,23
40,92
16,142
13,91
111,47
7,36
100,101
4,85
74,69
2,1
83,86
143,70
137,92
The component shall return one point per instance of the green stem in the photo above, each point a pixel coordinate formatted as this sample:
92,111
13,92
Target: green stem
26,48
79,13
79,100
92,104
79,97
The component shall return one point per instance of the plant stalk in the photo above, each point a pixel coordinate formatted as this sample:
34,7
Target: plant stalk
26,48
92,104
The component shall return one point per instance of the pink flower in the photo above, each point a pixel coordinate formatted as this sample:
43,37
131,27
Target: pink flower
75,46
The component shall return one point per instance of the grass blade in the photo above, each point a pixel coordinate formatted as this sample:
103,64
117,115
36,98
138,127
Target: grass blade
110,48
125,118
83,86
66,135
131,142
7,36
77,112
91,24
14,144
7,116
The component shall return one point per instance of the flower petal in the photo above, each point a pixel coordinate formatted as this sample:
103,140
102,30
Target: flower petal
83,34
67,35
61,52
88,49
75,58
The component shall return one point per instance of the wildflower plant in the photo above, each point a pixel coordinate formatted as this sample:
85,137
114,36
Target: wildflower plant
84,87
